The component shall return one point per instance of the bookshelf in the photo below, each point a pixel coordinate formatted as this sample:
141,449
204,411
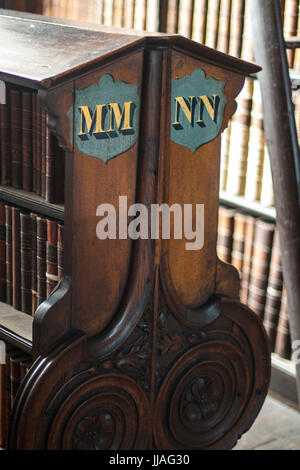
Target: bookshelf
123,335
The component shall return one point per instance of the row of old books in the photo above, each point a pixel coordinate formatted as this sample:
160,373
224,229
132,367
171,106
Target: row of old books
252,246
31,257
13,369
31,158
245,165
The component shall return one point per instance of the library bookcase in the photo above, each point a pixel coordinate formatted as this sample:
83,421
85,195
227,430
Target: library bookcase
142,344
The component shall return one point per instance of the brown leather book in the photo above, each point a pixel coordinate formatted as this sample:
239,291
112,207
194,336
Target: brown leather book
261,258
34,139
247,52
238,244
274,293
41,259
8,253
290,20
51,257
25,245
26,140
224,26
283,339
236,27
225,233
51,144
33,263
16,258
5,144
172,16
16,137
38,161
2,254
60,250
44,137
247,261
185,18
59,178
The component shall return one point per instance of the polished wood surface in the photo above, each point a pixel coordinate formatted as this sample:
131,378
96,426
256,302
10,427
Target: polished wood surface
140,328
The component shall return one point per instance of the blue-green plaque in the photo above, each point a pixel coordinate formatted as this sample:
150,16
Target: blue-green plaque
105,118
197,109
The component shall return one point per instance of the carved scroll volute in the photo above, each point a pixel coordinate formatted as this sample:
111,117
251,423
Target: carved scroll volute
191,176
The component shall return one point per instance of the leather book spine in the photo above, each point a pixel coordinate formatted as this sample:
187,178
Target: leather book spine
225,233
41,259
60,250
51,257
8,253
5,145
274,293
38,161
25,244
16,262
50,166
283,339
247,261
262,250
33,263
2,254
16,137
26,140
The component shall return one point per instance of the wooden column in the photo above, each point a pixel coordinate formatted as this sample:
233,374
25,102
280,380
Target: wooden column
284,154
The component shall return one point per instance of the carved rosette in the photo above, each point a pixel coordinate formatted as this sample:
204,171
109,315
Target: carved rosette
106,412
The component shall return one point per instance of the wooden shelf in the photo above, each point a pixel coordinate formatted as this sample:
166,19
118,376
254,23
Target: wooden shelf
16,327
32,202
251,207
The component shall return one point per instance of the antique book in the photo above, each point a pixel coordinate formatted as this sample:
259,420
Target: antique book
224,26
5,143
236,27
44,138
283,339
274,293
256,150
239,141
173,16
33,263
225,233
41,259
38,166
50,166
247,52
267,191
212,23
152,15
27,163
16,261
26,247
51,257
60,250
56,182
108,13
238,244
290,21
199,20
16,136
225,146
247,261
8,253
185,18
118,13
261,257
2,254
128,13
34,139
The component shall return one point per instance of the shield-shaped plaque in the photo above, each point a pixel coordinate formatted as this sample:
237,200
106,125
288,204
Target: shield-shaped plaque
106,118
197,109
